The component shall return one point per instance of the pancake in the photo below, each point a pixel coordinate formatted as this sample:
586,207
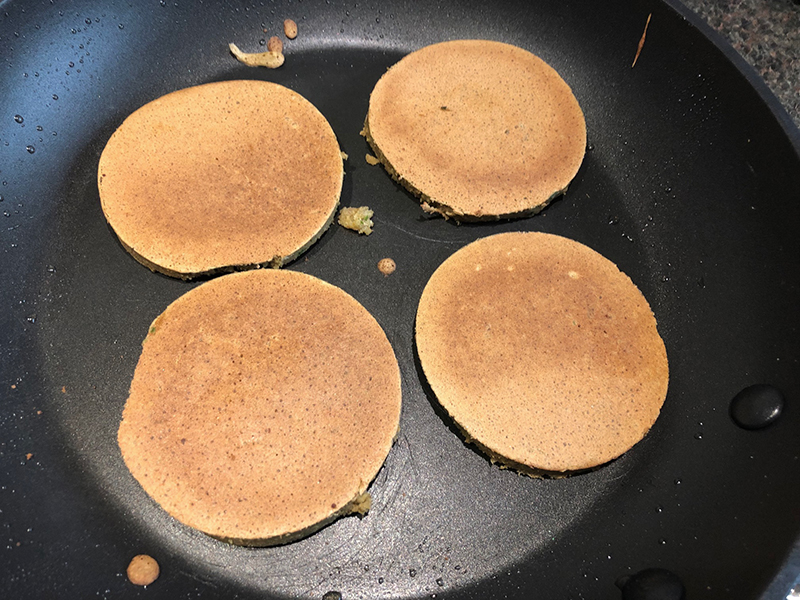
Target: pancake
542,351
221,176
477,129
262,406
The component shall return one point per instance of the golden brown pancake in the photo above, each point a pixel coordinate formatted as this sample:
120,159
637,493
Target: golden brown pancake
262,406
221,176
543,352
477,129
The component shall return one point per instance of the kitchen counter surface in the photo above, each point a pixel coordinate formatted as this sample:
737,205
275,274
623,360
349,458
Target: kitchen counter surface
767,34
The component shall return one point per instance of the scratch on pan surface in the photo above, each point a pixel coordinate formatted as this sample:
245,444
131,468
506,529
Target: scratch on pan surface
424,238
641,41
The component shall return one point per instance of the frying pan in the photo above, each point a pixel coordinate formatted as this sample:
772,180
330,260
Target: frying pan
691,185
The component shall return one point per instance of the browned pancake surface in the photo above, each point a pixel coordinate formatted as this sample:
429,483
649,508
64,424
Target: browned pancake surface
221,175
542,351
263,403
478,129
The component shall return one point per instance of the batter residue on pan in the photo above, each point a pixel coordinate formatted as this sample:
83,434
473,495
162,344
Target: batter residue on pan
543,352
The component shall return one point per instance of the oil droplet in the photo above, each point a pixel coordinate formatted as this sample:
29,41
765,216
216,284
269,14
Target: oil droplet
1,198
18,118
121,26
651,583
659,508
412,572
39,128
262,42
613,220
757,406
678,482
440,582
698,435
380,580
332,595
71,64
30,149
88,21
55,96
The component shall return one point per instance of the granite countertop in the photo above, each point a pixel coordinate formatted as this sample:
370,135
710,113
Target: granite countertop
767,34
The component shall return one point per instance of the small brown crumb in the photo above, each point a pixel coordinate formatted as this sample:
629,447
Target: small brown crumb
271,60
358,219
63,389
38,412
386,266
372,160
290,29
275,44
344,154
28,456
13,386
143,570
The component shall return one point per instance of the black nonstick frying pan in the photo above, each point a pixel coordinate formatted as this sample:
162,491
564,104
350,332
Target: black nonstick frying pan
691,184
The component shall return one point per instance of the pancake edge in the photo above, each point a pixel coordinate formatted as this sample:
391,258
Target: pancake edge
434,207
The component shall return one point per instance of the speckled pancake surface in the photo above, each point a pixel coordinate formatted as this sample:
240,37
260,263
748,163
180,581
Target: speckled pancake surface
477,129
220,176
544,353
262,406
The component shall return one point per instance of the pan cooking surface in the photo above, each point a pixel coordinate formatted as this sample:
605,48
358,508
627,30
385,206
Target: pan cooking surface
690,185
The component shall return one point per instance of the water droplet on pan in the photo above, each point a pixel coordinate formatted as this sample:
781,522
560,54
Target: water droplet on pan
30,149
18,118
756,406
650,584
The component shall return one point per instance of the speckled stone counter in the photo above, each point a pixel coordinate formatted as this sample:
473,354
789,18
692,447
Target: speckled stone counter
767,34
